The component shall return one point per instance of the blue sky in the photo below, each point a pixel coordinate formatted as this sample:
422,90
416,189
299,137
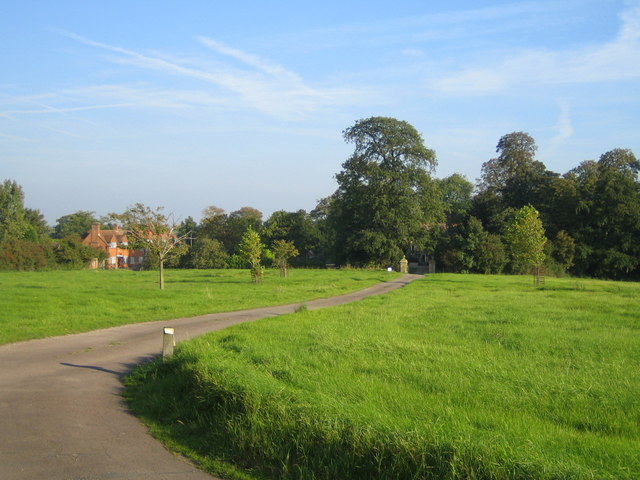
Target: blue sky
197,103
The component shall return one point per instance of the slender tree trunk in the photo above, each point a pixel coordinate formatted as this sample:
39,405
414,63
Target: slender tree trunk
538,276
161,274
283,271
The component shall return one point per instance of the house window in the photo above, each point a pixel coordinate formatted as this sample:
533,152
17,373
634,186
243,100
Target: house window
112,245
112,260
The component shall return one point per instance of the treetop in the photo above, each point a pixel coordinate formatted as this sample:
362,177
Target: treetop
391,143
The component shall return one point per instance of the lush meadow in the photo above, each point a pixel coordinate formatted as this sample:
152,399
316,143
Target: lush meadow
42,304
451,377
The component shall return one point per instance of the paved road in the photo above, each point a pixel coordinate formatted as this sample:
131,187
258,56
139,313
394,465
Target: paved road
61,412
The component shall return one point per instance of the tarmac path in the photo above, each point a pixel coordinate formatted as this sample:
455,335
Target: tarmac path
61,411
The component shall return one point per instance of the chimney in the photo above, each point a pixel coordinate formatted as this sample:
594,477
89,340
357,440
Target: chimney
95,233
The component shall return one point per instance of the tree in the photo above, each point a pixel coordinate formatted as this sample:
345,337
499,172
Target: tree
229,229
37,228
151,230
78,223
492,256
13,223
283,250
296,227
24,239
457,194
606,217
472,240
469,247
238,223
251,248
70,252
561,209
187,229
212,211
615,215
516,156
320,218
513,179
526,239
378,211
208,253
563,250
214,225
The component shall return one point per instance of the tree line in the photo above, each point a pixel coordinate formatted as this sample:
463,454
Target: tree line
389,205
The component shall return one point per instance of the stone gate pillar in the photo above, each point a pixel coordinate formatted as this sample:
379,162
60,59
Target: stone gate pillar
404,265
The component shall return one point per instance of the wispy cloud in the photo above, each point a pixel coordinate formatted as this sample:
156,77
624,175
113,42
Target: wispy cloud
259,84
563,126
420,31
61,111
271,88
14,138
613,61
67,107
261,64
146,96
64,132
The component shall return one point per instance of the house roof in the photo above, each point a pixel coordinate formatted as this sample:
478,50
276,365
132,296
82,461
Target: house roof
117,236
98,237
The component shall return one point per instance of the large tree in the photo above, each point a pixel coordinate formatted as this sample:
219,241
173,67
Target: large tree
379,212
513,179
457,195
296,227
207,253
24,239
38,229
516,159
214,225
13,221
229,229
609,215
78,223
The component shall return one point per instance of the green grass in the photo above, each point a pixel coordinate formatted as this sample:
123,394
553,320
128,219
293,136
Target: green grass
42,304
451,377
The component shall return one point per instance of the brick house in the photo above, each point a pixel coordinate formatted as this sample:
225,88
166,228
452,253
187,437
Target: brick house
116,245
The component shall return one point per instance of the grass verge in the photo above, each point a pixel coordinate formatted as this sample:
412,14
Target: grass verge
44,304
453,377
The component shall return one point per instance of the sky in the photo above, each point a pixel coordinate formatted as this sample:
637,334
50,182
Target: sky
196,103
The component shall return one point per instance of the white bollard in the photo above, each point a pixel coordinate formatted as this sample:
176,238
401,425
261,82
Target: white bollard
168,342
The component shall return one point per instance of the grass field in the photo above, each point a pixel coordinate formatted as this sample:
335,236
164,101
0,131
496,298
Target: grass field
451,377
42,304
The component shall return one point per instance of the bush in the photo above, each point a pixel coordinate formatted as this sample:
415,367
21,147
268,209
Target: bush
238,262
208,253
70,252
492,255
25,255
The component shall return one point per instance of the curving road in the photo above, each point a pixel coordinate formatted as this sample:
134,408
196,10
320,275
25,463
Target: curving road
61,412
